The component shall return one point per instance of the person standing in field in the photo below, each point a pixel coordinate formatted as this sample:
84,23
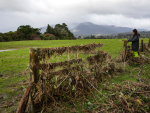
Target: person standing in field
135,42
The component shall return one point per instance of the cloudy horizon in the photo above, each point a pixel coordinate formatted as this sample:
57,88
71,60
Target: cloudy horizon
39,13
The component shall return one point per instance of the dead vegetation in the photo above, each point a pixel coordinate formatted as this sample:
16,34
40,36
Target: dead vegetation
131,60
129,97
67,81
70,80
127,54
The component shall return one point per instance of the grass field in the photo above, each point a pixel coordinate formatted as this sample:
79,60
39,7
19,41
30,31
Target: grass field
12,63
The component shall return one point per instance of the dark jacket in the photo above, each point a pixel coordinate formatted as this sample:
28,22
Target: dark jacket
135,42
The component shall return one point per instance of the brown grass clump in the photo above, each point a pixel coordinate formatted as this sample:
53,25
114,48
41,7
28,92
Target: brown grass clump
75,79
129,97
131,60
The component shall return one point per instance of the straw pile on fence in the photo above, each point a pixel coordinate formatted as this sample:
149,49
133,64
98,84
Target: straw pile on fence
69,79
127,54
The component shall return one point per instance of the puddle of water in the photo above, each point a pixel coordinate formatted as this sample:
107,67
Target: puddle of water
7,50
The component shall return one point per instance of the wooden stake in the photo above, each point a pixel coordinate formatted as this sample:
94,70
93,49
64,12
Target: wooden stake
68,54
142,46
34,74
77,55
34,65
149,43
23,103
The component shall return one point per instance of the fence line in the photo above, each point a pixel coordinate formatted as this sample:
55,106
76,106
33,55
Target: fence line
143,47
48,69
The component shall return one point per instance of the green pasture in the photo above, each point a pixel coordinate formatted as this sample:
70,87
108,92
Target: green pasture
13,62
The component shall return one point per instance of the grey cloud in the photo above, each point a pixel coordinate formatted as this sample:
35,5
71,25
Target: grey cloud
130,8
38,13
25,6
14,5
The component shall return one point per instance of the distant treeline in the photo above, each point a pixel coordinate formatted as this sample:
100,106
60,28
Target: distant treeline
144,34
26,32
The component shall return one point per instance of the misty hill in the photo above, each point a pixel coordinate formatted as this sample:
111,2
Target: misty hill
88,28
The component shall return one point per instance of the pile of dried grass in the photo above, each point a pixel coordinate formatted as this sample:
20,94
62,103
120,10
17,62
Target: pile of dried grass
131,60
145,48
72,82
129,97
48,52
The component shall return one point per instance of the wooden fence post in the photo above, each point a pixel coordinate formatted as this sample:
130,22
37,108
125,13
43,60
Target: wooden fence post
149,43
142,46
68,54
34,74
77,54
34,65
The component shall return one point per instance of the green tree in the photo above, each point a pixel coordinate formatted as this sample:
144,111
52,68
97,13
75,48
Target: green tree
62,32
49,30
24,32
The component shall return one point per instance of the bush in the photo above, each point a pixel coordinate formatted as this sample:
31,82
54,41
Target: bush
1,39
48,38
42,37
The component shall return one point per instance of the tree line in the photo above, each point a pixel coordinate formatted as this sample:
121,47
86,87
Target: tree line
26,32
61,32
143,34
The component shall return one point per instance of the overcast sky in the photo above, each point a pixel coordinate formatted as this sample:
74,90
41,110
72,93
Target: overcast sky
39,13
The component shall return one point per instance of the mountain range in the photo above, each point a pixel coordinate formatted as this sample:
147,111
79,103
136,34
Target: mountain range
88,28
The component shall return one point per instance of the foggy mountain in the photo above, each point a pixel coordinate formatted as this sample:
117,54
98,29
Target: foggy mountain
88,28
